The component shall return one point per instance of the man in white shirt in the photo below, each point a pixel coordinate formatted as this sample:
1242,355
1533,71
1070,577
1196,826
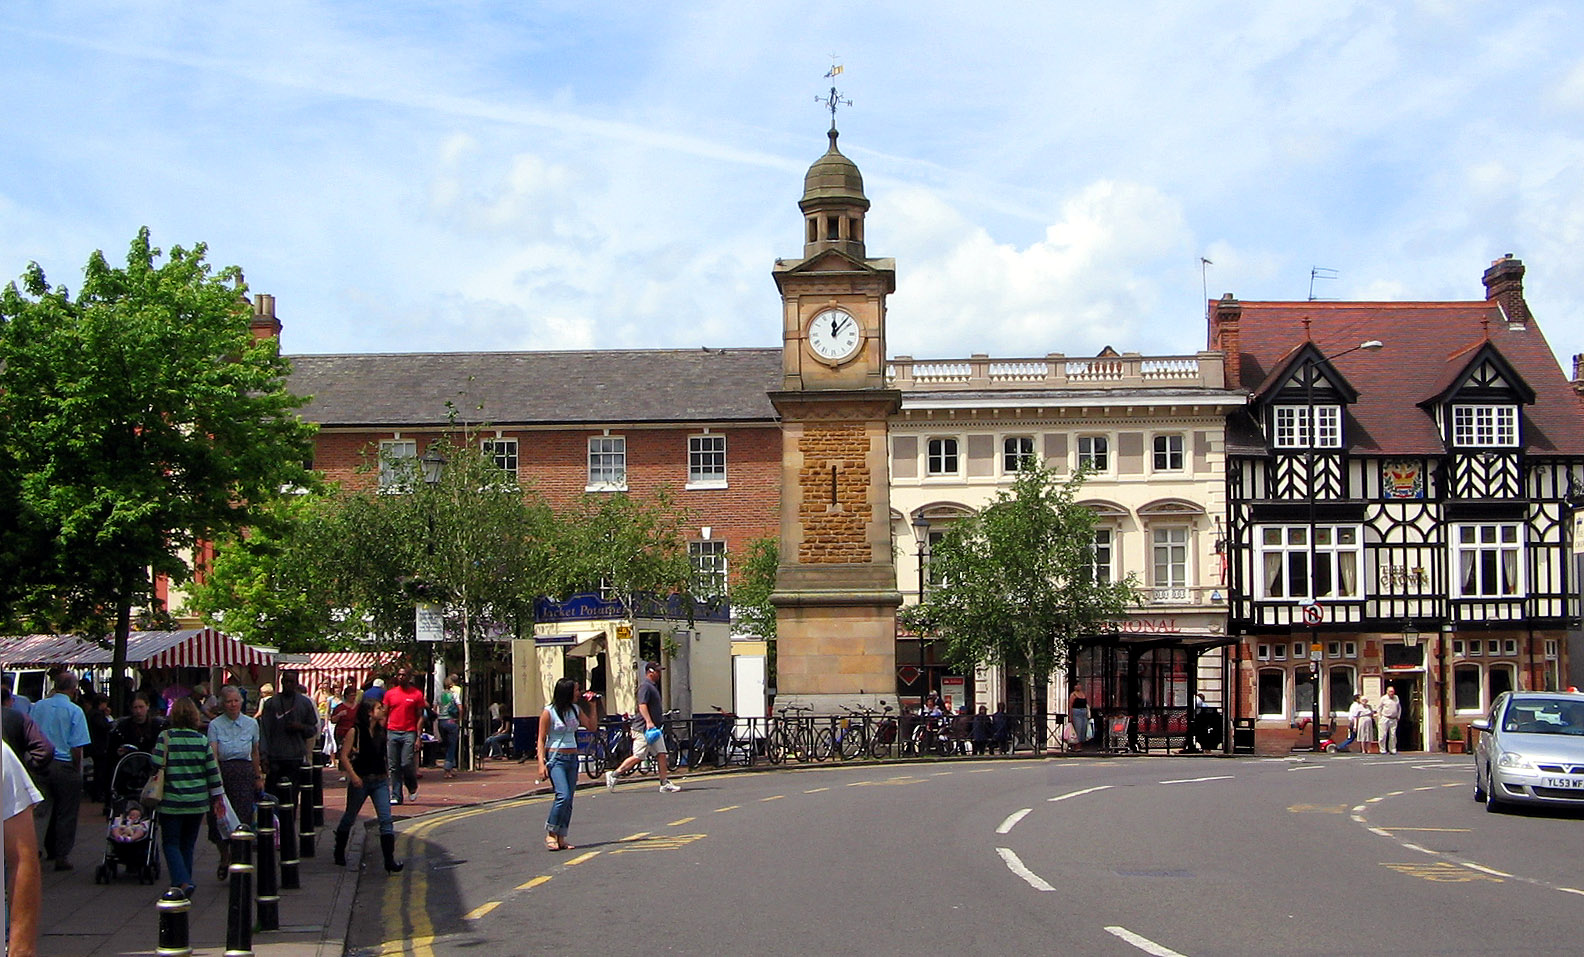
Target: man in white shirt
20,875
1390,712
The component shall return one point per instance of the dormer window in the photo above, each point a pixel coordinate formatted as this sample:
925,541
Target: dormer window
1304,427
1484,426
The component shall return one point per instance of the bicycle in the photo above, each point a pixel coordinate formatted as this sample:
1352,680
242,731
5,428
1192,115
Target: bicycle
866,738
711,740
794,737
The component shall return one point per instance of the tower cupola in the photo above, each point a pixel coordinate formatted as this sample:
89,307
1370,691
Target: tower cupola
833,205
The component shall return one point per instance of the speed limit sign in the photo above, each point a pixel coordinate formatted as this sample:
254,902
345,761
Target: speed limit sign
1313,613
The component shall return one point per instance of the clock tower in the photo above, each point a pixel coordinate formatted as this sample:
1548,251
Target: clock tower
836,589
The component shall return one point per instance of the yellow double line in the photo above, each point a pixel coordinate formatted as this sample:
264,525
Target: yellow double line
406,901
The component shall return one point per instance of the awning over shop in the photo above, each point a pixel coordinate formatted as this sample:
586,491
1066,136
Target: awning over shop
188,648
336,667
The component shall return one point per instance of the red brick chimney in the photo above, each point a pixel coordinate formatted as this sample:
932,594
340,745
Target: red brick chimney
1224,336
1504,286
264,324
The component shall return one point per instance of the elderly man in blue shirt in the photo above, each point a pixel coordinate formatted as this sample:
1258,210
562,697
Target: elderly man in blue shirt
64,723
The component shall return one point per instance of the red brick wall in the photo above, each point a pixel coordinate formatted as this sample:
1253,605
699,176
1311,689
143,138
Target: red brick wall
555,462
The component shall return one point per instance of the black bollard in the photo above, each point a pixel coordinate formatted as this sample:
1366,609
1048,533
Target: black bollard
239,909
305,812
267,873
318,790
286,794
174,940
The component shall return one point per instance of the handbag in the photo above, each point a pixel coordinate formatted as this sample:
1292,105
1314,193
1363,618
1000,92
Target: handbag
229,822
154,791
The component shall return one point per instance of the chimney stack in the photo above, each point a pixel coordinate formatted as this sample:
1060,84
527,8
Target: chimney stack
1224,336
1578,373
1504,286
264,324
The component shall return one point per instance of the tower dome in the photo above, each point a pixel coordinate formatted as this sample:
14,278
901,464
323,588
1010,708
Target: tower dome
833,204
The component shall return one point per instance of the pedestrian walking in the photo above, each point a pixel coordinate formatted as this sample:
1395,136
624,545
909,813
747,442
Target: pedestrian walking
449,712
235,738
65,725
1390,713
558,756
1078,718
362,753
21,883
192,787
647,735
404,711
288,724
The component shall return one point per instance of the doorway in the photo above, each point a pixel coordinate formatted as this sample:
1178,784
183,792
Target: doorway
1410,690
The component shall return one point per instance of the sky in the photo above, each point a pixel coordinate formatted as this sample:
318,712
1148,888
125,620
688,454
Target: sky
460,176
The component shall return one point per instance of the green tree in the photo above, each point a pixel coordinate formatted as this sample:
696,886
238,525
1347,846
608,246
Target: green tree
1014,583
752,613
140,418
628,548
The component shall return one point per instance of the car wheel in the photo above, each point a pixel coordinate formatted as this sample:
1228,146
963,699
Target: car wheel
1479,791
1491,803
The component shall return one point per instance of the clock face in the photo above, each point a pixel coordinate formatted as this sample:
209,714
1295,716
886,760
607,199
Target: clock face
833,334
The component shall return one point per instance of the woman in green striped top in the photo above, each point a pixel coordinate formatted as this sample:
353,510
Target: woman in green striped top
192,786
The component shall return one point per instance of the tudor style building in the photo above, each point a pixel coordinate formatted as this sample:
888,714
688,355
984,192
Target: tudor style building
1400,494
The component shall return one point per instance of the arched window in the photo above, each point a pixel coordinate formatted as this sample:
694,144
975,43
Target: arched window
1271,693
1499,679
1340,686
1466,689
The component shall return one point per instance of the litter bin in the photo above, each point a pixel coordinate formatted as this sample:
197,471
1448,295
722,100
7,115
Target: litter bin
1243,736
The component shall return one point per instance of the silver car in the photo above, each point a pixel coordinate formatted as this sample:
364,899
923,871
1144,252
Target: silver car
1531,750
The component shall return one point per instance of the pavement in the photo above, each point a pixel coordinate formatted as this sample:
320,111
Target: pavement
84,919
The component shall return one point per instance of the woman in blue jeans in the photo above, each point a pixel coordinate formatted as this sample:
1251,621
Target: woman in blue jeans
363,761
449,710
558,756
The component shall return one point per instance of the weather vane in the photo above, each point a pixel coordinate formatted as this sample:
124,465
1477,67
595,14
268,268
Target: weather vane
833,99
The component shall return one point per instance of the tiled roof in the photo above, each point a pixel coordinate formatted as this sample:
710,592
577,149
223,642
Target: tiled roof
539,388
1425,344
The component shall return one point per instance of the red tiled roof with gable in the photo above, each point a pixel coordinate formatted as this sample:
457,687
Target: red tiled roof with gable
1425,344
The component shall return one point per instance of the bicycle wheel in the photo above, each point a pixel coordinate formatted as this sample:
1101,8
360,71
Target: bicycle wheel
823,745
776,746
852,743
594,758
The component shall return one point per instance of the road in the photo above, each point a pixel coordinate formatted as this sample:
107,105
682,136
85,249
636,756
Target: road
1193,855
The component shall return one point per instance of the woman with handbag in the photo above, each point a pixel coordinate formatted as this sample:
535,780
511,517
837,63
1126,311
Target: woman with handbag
189,785
235,739
558,756
363,761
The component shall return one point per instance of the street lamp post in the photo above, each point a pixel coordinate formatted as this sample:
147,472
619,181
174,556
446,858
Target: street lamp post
921,527
1312,430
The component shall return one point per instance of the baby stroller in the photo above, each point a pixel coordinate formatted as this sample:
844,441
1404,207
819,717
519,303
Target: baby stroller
132,837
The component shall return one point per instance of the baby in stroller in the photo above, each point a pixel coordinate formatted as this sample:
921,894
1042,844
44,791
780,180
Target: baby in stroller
131,839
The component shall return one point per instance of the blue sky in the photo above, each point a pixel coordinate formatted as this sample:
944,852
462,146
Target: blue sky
408,176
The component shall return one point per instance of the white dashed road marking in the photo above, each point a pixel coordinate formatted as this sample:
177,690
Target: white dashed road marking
1142,943
1012,820
1016,866
1063,797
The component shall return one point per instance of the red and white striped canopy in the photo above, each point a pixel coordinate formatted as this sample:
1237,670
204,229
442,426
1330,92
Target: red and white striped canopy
190,647
198,648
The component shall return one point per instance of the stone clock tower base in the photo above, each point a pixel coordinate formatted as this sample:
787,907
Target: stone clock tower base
836,594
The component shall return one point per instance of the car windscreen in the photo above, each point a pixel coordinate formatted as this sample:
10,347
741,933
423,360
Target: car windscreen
1544,716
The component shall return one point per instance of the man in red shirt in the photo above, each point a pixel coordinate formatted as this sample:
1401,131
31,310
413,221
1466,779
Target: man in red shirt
404,710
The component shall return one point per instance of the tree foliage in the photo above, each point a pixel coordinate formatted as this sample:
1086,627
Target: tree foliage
750,593
1013,584
137,418
627,547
